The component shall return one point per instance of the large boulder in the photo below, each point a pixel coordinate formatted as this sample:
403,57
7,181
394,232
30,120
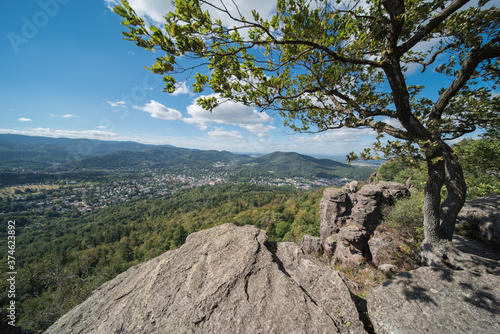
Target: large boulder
311,245
485,213
436,300
325,285
476,256
367,211
393,191
352,244
222,280
335,209
349,218
385,243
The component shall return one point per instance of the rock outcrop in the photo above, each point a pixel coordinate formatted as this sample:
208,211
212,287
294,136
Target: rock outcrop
311,245
436,300
384,244
485,212
349,217
222,280
476,256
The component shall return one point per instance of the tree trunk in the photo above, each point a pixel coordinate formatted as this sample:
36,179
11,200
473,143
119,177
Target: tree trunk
457,191
440,218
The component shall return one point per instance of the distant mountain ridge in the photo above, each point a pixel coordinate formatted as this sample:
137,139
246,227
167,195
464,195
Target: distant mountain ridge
158,157
296,165
42,154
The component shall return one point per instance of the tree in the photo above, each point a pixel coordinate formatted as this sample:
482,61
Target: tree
480,160
179,236
480,155
327,65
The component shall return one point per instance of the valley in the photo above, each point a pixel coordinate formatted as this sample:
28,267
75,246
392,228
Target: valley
115,173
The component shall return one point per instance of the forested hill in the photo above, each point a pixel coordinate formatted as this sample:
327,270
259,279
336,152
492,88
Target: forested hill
297,165
64,257
43,157
282,164
42,152
159,157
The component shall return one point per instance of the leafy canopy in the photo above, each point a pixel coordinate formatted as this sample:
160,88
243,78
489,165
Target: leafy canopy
331,64
480,160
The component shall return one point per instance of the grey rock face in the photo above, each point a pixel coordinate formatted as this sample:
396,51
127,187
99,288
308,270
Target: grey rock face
351,187
387,267
436,300
477,257
385,242
489,228
366,213
323,284
335,208
393,191
486,211
349,218
311,245
222,280
352,245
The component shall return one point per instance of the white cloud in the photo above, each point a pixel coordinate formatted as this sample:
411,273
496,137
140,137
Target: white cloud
229,112
182,89
393,122
265,8
220,133
336,142
46,132
158,110
64,116
260,130
117,104
339,140
156,9
153,9
24,119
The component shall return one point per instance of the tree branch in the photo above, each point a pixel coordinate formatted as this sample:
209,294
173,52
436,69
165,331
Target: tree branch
433,24
384,127
438,52
475,57
334,55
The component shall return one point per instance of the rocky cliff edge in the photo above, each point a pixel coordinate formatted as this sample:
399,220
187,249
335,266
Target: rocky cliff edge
222,280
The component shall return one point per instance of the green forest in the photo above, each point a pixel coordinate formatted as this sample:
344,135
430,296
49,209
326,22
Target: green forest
63,257
62,260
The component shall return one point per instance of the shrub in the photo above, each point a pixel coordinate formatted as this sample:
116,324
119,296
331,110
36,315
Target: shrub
398,170
406,215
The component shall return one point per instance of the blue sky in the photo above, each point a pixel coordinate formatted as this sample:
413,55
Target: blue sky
65,71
